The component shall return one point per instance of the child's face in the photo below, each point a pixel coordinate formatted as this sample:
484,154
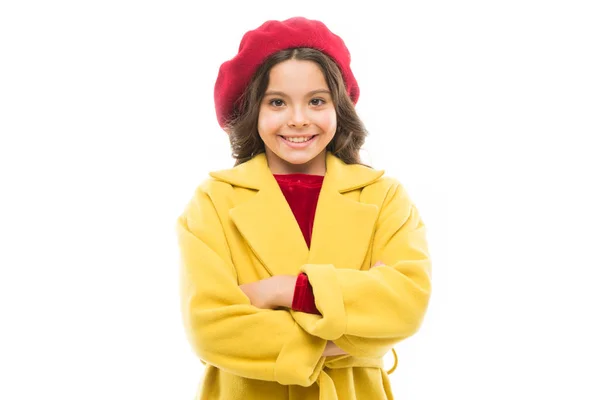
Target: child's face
296,104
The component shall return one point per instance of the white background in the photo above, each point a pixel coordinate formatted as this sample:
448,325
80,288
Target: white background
488,112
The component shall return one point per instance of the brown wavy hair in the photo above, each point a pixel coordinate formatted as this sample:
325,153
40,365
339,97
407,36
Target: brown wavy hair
242,126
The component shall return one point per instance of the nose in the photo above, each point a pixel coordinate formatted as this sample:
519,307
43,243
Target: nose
298,118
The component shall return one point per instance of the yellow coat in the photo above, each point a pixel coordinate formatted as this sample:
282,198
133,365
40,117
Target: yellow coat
238,228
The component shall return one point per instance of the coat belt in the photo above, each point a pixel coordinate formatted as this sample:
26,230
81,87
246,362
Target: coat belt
326,386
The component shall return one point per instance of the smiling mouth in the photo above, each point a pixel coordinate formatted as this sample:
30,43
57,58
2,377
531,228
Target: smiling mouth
301,141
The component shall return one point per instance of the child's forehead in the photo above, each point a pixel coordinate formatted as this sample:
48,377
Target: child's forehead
296,67
296,76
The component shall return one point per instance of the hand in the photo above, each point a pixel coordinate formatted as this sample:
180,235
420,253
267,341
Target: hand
270,293
377,264
332,350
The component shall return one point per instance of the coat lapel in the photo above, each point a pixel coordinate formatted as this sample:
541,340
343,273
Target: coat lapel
342,229
270,228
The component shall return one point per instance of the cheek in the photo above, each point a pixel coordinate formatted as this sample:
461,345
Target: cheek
269,121
327,121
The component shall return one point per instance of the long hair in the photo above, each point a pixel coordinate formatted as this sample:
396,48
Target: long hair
242,127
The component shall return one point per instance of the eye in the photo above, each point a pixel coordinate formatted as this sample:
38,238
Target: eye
317,102
276,102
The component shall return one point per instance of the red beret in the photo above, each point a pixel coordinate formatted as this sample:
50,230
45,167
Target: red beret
272,36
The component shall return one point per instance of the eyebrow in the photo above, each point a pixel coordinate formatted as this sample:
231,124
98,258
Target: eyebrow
311,93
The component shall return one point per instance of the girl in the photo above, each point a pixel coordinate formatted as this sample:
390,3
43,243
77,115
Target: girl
281,296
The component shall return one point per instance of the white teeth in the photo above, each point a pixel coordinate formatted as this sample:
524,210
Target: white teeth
298,140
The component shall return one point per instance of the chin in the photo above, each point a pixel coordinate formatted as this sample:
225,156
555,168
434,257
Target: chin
298,159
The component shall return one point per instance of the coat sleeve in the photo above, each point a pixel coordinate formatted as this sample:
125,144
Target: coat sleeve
222,326
366,312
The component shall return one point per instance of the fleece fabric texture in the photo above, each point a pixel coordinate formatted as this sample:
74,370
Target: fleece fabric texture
238,228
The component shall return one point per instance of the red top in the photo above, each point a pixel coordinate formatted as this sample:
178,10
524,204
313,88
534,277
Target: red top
302,194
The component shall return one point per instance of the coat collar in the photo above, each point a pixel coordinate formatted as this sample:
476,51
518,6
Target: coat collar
342,229
255,174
